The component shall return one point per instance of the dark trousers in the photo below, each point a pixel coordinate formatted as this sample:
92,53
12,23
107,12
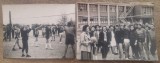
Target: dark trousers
25,46
9,36
141,45
104,52
12,34
93,48
104,49
85,55
134,50
153,46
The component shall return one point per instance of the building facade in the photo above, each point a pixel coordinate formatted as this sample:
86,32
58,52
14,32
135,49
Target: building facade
106,14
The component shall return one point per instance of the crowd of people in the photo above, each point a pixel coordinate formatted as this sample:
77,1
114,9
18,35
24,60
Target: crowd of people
118,39
49,32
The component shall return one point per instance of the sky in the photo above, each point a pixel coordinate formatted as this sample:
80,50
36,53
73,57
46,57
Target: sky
28,14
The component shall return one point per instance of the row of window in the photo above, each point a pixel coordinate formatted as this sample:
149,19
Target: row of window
96,22
95,18
147,10
103,8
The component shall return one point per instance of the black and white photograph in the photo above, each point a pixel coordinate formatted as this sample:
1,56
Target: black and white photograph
116,31
39,31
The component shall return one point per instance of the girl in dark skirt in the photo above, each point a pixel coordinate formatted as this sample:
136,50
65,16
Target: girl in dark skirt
36,35
53,33
48,32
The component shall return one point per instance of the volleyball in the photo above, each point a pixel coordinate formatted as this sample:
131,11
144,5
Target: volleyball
93,39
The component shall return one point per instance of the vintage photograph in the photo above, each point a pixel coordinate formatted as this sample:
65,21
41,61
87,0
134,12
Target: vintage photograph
39,31
116,31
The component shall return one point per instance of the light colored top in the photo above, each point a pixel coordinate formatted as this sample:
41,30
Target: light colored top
84,42
43,30
113,41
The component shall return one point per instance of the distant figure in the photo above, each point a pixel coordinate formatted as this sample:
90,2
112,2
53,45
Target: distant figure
36,36
53,33
13,28
24,33
70,37
43,31
9,30
5,33
48,32
17,32
61,33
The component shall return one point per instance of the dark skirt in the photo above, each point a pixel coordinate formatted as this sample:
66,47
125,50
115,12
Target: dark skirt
36,35
47,36
69,39
85,55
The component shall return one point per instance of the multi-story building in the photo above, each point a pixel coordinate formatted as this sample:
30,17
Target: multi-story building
112,13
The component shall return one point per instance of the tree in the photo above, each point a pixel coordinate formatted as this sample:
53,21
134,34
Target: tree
63,20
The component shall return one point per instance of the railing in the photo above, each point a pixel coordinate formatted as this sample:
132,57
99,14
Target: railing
124,14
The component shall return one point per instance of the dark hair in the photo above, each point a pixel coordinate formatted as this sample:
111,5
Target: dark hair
148,27
84,27
103,28
92,26
96,26
69,24
111,26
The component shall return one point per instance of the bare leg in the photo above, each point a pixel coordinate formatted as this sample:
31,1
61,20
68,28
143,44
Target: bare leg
73,51
65,51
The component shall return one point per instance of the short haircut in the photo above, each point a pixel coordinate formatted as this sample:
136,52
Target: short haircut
69,23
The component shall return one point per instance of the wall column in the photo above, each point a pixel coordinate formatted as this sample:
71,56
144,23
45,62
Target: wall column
117,15
108,12
88,9
99,14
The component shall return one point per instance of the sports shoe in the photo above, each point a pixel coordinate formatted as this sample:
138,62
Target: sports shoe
22,55
13,49
28,56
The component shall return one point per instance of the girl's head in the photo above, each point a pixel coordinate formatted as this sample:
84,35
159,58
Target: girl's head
104,28
92,28
97,27
132,27
139,26
111,27
85,28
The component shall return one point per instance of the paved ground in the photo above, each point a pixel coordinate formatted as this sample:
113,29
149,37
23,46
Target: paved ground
57,51
110,55
37,52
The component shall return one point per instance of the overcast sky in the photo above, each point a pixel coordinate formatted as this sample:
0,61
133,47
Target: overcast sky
37,13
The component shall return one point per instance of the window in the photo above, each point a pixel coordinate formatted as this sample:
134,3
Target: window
104,19
112,8
93,7
82,7
103,8
112,19
94,19
147,10
121,9
84,18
